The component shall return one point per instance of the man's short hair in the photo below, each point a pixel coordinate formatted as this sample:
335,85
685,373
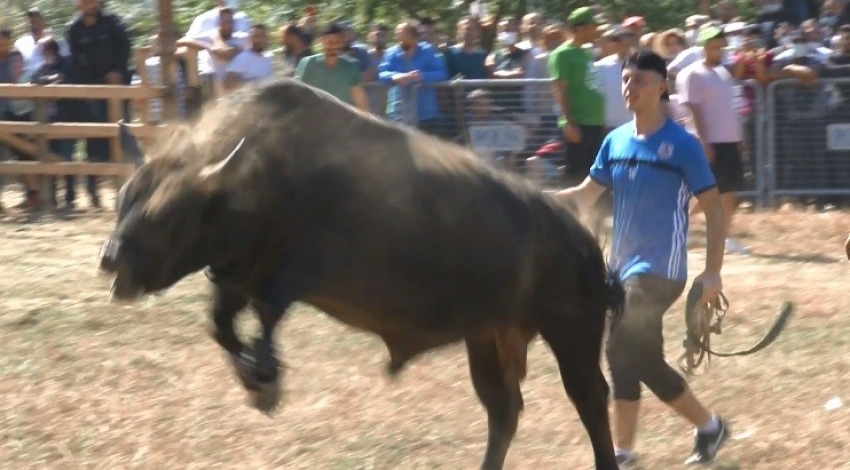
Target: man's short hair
225,11
333,28
260,26
426,21
845,28
647,59
293,29
49,43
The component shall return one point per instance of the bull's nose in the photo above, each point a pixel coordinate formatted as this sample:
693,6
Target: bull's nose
109,256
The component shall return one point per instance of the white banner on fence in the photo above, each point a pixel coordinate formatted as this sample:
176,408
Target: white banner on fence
838,136
497,136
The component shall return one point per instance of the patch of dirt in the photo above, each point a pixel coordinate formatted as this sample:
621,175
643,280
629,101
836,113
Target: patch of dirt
90,384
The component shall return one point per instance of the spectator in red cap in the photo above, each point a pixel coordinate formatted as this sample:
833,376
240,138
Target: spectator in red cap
635,24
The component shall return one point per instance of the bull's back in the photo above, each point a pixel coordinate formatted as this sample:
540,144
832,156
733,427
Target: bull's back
438,243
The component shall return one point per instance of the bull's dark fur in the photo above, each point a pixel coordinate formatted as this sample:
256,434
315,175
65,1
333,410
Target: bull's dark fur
383,228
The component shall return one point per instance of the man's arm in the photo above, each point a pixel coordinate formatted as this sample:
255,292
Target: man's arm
193,43
358,95
715,223
715,229
583,196
435,68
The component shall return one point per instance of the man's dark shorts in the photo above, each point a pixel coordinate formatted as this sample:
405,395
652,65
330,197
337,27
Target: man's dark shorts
580,156
635,348
728,167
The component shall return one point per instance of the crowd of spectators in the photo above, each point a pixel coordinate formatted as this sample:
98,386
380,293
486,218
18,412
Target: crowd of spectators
381,73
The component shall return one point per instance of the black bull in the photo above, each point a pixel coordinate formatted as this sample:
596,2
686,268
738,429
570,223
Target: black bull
284,194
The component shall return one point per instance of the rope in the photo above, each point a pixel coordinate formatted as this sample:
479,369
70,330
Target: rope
701,321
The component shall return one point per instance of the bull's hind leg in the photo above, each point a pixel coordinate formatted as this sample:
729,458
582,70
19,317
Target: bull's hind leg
496,373
576,341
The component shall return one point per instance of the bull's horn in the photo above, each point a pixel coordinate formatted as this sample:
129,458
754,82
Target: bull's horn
129,144
214,169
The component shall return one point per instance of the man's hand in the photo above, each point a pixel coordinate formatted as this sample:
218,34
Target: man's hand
847,246
113,78
712,285
572,133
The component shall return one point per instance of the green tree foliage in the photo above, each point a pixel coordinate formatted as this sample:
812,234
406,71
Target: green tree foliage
140,14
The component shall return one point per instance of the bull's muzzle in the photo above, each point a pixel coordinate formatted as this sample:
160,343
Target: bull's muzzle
109,256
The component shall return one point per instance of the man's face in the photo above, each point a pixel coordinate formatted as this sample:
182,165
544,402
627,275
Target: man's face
259,39
332,44
5,42
405,36
88,7
36,23
714,50
380,40
532,25
812,33
427,33
641,88
845,41
467,31
225,25
586,32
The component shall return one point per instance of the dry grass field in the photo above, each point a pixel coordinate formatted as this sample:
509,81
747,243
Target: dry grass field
87,384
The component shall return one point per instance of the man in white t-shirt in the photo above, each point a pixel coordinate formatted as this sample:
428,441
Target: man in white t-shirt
209,20
27,44
217,48
610,71
253,64
706,88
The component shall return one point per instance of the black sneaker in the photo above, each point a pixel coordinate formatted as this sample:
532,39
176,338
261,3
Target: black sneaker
707,445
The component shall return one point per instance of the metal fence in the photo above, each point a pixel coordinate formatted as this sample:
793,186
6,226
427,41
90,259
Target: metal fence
808,139
796,135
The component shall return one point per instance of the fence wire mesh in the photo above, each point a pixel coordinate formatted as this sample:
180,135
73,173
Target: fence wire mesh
506,122
808,139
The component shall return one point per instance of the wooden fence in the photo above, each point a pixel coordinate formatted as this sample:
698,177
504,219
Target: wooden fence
31,138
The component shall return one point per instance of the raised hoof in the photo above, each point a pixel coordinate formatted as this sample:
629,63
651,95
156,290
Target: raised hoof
266,397
263,388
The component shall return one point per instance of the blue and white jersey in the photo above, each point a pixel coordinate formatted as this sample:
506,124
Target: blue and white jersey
653,179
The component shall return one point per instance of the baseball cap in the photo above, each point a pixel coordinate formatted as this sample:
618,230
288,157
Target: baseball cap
634,21
34,11
581,16
616,32
646,59
708,33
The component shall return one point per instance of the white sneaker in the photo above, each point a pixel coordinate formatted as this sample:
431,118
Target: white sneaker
732,246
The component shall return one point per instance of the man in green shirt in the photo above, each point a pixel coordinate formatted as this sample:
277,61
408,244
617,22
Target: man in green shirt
578,91
333,72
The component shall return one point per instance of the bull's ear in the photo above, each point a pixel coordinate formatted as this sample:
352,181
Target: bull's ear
213,170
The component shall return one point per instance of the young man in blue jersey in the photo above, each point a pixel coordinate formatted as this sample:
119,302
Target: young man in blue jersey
653,166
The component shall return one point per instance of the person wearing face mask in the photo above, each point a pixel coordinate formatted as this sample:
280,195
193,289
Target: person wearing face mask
806,43
509,62
800,113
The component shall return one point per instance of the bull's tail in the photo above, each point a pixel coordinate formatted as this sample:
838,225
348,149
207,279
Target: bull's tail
616,295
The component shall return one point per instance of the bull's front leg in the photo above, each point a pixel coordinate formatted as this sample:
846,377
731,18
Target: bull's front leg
226,305
265,373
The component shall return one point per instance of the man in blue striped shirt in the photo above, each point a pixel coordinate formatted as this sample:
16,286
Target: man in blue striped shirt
653,166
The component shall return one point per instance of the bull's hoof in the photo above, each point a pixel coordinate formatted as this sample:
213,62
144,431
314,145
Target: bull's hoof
266,397
263,386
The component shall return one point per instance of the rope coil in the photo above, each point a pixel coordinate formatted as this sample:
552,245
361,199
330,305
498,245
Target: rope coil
699,328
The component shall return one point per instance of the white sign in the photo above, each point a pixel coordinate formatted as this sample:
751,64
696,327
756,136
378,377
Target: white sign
503,137
838,136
